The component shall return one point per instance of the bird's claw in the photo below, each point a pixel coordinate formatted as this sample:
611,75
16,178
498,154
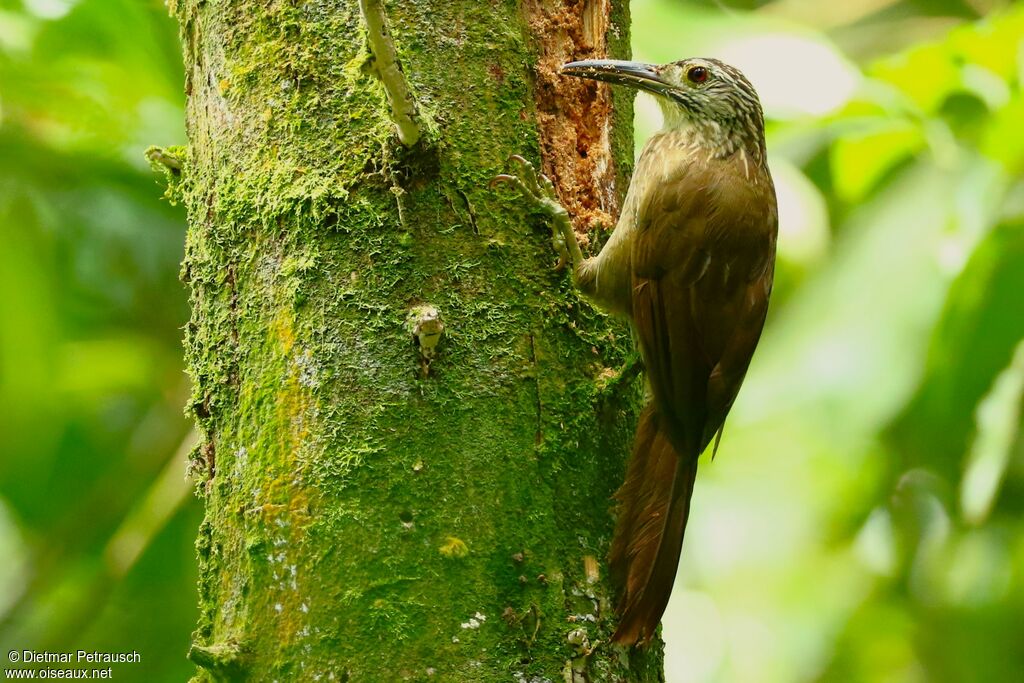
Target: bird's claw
535,187
501,178
538,190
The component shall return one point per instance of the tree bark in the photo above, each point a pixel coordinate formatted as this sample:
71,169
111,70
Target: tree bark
411,425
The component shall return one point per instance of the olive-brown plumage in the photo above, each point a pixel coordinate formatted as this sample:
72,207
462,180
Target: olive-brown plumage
701,272
690,263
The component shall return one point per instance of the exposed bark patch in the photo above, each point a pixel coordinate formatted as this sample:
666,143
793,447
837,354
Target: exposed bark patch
574,115
210,458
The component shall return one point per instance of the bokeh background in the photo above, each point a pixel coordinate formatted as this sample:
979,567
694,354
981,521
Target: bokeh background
863,518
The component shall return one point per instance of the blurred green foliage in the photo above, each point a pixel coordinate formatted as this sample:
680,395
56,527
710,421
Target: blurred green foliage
863,519
91,382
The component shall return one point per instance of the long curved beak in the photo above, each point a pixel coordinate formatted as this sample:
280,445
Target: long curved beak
633,74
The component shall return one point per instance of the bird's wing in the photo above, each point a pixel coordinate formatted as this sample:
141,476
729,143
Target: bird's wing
702,261
731,368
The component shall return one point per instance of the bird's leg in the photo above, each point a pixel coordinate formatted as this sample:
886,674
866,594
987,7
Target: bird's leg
538,190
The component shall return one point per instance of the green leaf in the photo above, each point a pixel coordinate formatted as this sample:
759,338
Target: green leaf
998,419
861,159
926,74
974,341
1004,138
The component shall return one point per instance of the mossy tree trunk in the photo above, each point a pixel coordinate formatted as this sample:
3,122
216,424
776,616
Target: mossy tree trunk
377,509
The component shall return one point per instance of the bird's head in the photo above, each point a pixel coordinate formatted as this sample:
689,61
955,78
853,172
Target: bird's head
706,95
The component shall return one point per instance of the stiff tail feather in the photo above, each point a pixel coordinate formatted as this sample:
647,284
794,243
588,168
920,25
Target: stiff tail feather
654,503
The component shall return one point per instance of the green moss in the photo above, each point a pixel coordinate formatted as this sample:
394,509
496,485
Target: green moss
361,514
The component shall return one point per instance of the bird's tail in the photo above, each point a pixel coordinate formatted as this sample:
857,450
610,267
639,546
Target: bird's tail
654,503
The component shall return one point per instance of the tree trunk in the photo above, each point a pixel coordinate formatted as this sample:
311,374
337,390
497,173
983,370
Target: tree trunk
383,503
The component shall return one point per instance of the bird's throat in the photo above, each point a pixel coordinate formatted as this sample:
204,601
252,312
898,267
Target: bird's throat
707,135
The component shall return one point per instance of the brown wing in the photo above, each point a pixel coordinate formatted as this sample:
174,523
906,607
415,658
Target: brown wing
703,259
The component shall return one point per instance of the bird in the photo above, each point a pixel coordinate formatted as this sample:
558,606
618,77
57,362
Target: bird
690,263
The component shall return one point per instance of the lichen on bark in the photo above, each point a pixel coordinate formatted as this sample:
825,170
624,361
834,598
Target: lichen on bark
367,520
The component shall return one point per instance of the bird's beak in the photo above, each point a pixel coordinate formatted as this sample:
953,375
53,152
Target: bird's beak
634,74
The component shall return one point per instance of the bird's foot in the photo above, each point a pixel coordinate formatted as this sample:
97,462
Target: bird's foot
539,192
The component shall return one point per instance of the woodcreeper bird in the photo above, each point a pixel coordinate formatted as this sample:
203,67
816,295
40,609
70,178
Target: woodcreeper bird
690,264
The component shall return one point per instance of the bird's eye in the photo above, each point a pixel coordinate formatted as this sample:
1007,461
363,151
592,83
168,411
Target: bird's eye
697,74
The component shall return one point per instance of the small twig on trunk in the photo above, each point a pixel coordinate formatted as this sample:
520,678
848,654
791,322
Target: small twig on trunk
403,105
